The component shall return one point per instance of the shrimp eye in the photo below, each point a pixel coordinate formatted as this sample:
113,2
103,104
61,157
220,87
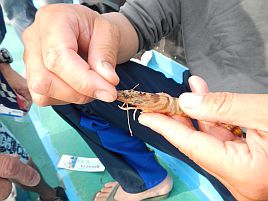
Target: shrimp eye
126,96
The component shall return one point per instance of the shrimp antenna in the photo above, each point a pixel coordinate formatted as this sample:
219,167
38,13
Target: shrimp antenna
127,108
128,122
135,86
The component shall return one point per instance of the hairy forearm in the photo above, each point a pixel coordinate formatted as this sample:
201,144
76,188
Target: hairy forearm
129,42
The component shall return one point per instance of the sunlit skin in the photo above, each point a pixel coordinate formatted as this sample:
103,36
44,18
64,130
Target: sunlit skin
11,168
77,53
240,164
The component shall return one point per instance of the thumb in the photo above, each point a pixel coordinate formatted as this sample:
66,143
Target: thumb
245,110
103,49
194,144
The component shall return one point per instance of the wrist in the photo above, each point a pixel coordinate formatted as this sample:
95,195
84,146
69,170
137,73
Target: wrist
5,56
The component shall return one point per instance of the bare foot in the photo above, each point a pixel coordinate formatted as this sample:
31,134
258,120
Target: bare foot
161,189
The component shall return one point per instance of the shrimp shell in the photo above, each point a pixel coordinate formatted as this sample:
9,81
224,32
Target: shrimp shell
151,102
160,103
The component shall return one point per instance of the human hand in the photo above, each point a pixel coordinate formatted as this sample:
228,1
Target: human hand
18,84
70,56
240,164
11,169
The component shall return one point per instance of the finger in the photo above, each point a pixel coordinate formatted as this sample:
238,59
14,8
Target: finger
217,131
257,142
5,189
60,52
245,110
11,168
103,49
44,86
62,67
204,149
184,120
263,132
47,101
198,85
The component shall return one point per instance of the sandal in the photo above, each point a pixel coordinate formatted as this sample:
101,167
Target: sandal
114,190
111,195
156,198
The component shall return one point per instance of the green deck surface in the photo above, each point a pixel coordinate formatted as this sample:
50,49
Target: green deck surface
65,140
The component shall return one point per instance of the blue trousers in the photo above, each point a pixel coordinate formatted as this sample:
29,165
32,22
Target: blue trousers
105,129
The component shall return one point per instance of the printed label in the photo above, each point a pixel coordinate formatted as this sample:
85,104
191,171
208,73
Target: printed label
81,164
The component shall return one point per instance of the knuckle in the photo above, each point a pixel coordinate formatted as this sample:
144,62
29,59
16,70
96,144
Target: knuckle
53,59
109,56
26,57
221,102
84,85
26,34
39,84
41,12
46,11
52,13
82,100
40,101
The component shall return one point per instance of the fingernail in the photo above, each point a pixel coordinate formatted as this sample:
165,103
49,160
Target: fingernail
144,119
104,96
107,66
36,179
190,100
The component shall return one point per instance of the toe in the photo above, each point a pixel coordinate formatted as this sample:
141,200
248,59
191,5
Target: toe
110,184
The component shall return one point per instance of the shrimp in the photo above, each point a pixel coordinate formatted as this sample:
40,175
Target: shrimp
160,103
151,102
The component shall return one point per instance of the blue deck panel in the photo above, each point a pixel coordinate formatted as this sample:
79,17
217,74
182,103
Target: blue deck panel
167,66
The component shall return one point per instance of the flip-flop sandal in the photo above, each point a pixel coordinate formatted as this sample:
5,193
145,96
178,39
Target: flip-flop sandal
157,198
111,195
113,192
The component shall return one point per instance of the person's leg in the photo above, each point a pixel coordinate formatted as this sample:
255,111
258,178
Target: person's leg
126,158
45,192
